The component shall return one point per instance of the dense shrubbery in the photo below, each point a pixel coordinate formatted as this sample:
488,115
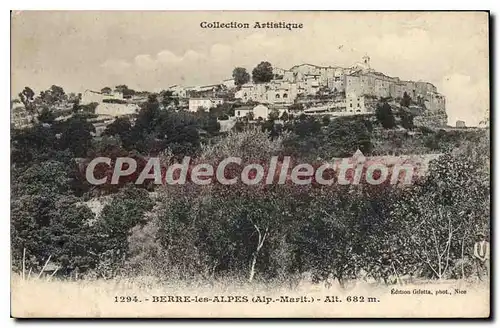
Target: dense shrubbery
342,232
49,187
425,230
260,232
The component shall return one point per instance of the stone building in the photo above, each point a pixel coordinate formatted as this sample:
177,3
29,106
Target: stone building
243,111
90,96
274,92
229,83
359,86
177,90
114,109
261,111
203,103
205,91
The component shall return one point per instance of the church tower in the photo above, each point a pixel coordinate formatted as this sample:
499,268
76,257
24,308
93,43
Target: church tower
366,61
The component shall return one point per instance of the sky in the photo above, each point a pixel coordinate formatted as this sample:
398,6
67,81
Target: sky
152,50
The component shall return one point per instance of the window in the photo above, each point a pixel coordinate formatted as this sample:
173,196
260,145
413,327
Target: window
239,113
359,106
285,95
277,96
350,105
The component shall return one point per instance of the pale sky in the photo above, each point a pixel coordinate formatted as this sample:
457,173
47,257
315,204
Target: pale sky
152,50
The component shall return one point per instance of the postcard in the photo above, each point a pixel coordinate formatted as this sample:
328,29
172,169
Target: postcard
246,164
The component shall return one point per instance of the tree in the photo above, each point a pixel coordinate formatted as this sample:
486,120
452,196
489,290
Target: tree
72,98
284,117
106,90
125,211
240,241
76,136
441,215
306,126
262,73
150,110
34,144
51,225
225,109
240,76
27,96
121,126
332,235
274,115
167,98
385,116
407,120
55,94
346,136
46,219
155,130
122,88
406,101
46,116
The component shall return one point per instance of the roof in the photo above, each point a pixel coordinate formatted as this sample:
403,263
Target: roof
355,73
98,92
317,66
209,86
207,98
244,108
420,81
279,106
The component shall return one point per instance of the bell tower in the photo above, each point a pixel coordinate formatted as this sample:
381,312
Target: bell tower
366,61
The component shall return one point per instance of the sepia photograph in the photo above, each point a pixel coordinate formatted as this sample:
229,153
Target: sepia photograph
250,164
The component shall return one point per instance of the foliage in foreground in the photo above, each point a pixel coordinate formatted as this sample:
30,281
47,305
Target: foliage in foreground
253,233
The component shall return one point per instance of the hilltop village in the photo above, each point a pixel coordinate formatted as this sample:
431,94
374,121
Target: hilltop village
308,115
334,91
303,89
